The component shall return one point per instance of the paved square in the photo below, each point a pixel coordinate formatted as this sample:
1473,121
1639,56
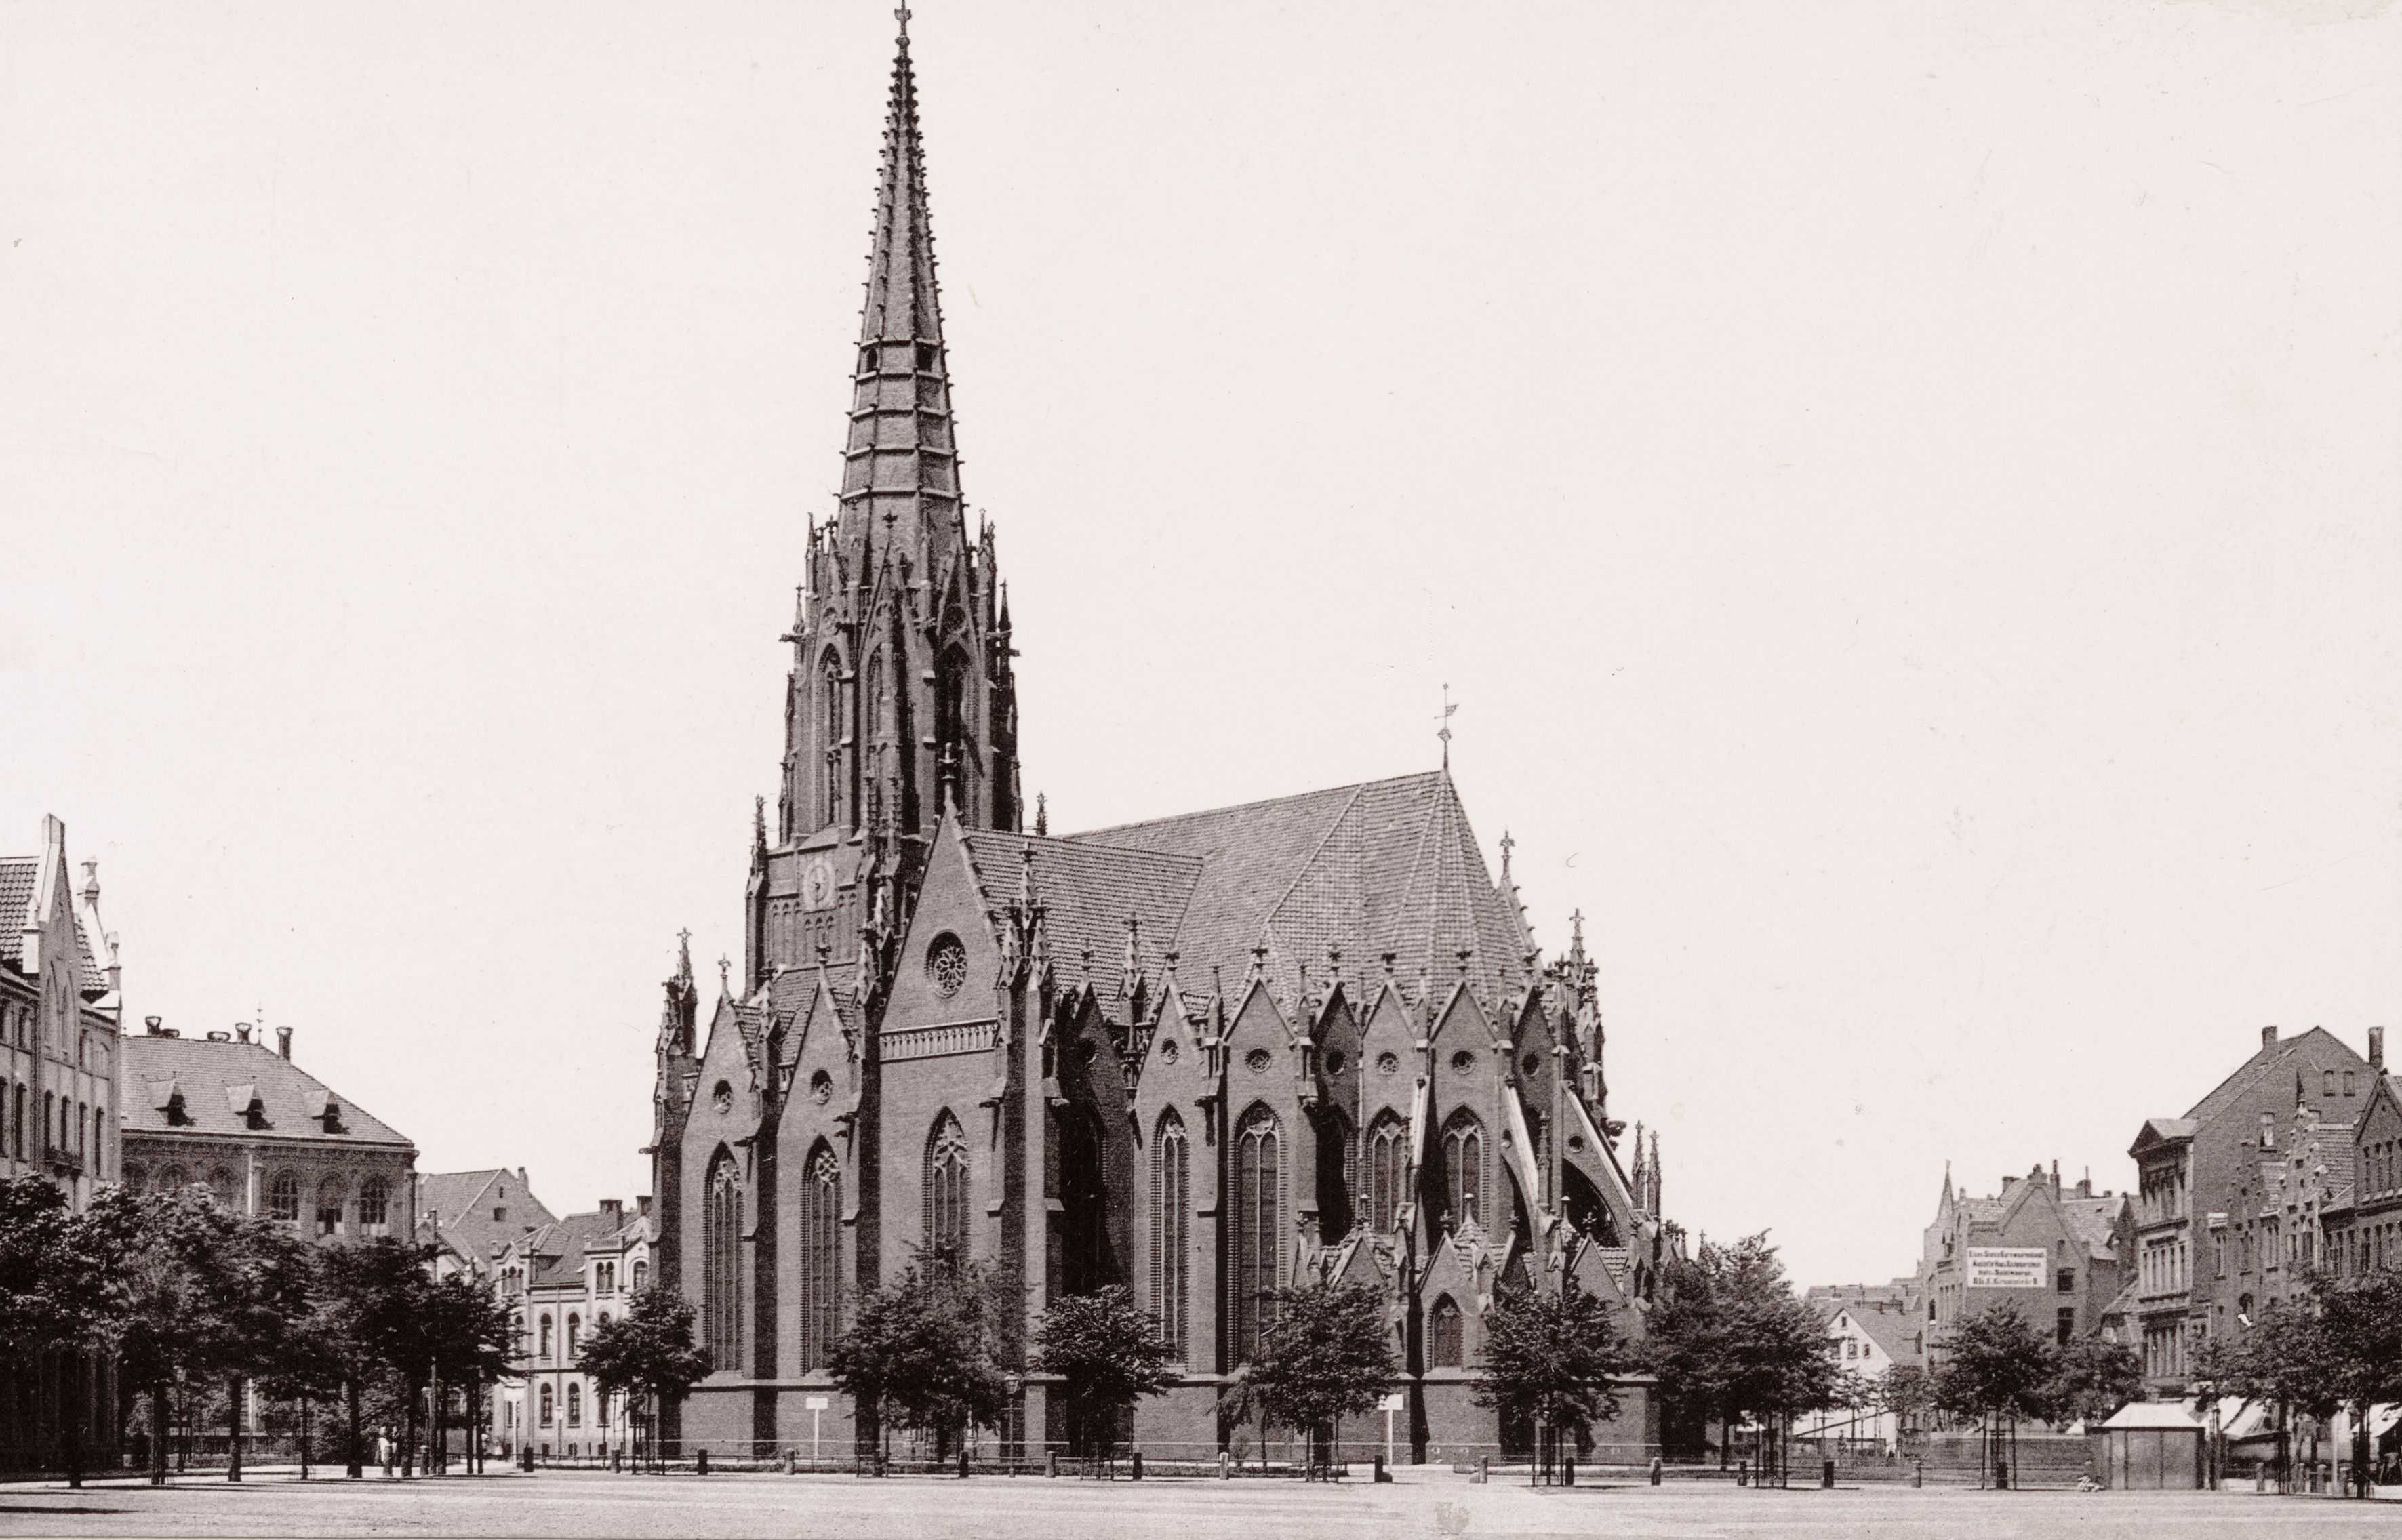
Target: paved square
1422,1503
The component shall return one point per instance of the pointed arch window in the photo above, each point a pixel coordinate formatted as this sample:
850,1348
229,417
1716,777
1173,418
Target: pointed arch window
1463,1168
947,1185
830,734
1387,1171
1445,1345
1258,1228
1171,1205
821,1251
1338,1174
953,742
720,1252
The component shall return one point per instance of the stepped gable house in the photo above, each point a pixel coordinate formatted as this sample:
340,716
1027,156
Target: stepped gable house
1201,1056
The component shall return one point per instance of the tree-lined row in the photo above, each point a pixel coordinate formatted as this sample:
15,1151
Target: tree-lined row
179,1291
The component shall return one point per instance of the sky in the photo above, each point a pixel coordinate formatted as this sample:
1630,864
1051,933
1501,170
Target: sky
1904,496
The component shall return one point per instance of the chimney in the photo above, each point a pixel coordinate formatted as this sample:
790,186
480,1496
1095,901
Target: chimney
2268,1130
642,1205
150,1025
2009,1182
614,1210
241,1032
2268,1036
2377,1049
283,1041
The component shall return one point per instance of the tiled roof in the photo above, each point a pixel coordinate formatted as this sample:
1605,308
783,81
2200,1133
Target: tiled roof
461,1204
559,1248
2228,1090
1088,890
2094,1221
1382,866
18,876
1893,1331
17,873
210,1076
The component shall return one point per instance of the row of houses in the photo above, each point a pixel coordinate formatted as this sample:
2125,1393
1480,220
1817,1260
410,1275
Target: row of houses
87,1098
2291,1163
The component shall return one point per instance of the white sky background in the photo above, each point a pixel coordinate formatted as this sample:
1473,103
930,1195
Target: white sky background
1905,495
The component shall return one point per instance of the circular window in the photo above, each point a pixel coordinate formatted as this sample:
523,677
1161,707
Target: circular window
1388,1064
1334,1062
1462,1062
1088,1051
1576,1142
1257,1060
1168,1051
822,1087
946,964
1532,1062
722,1097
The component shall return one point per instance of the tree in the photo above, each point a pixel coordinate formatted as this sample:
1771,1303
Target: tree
1729,1339
1906,1392
471,1334
646,1354
369,1296
2360,1323
61,1293
920,1353
1997,1368
1108,1351
1327,1354
1550,1359
2091,1379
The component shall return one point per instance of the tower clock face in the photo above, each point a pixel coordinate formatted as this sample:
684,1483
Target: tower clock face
816,883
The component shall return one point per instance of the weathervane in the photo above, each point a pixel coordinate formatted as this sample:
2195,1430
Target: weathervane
1443,732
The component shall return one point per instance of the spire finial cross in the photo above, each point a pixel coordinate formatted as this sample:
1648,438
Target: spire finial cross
1443,729
1508,845
902,16
725,967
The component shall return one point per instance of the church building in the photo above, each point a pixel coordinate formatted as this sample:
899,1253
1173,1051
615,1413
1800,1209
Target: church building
1203,1057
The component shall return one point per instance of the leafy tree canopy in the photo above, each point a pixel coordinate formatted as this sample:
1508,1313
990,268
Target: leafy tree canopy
1327,1354
1550,1358
921,1350
1108,1351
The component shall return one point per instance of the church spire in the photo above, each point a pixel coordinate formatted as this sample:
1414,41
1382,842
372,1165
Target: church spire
900,463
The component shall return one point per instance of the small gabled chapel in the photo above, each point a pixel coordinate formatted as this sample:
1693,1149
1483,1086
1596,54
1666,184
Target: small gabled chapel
1203,1057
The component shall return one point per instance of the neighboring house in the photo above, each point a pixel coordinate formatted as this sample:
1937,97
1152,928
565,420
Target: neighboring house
2363,1224
60,1071
230,1115
2060,1253
1871,1337
565,1279
2201,1197
469,1216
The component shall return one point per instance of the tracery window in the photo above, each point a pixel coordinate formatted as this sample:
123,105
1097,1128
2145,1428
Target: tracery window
830,738
1387,1171
1171,1203
1258,1214
721,1263
284,1196
820,1254
1444,1335
947,1185
1463,1168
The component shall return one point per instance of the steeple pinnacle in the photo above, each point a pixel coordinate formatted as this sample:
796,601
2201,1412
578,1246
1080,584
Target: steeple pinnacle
900,465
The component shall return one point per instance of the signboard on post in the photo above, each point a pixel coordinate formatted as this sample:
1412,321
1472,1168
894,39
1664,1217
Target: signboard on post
2006,1267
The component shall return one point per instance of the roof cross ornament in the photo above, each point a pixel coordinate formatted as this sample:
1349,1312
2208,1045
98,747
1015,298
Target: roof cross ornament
1442,730
1508,845
725,967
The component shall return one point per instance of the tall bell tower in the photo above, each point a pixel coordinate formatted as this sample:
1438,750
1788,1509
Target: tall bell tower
900,700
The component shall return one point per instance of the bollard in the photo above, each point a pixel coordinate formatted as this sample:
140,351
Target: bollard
1568,1470
1917,1473
1382,1474
1052,1466
616,1461
1743,1473
525,1459
1137,1464
2001,1476
701,1463
1655,1470
963,1462
1485,1467
1225,1466
1826,1475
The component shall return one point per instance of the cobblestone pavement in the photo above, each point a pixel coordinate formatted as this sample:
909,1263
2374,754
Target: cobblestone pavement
1435,1504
